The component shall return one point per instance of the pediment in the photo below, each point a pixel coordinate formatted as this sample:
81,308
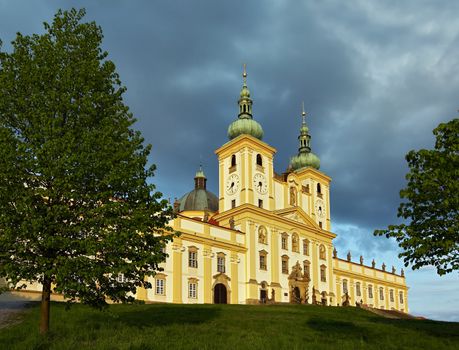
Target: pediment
297,214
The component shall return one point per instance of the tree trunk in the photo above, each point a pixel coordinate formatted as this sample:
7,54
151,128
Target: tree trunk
45,306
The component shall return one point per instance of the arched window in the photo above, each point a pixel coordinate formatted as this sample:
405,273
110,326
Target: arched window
284,241
322,254
262,235
319,189
401,297
381,293
323,273
357,289
391,295
295,243
305,247
370,291
284,264
345,290
259,160
233,160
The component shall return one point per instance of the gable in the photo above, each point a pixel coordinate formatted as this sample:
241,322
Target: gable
297,214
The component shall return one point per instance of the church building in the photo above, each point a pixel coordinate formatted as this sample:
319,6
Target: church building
266,237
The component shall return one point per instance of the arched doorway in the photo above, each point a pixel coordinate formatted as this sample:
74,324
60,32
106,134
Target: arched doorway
296,295
220,294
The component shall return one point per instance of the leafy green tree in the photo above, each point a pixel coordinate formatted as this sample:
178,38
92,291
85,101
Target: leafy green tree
76,206
431,206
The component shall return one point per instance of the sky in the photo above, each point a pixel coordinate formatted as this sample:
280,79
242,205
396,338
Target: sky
376,78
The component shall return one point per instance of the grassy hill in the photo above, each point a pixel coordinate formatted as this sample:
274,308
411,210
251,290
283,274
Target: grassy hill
226,327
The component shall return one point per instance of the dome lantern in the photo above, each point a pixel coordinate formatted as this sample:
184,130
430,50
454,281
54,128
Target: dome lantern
305,157
245,123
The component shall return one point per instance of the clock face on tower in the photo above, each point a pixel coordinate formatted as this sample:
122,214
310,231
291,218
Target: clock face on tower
232,184
259,182
320,208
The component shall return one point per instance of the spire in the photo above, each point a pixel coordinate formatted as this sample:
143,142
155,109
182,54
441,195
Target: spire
245,102
200,179
304,137
245,124
305,157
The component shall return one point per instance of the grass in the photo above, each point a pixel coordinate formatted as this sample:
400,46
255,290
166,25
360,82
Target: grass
225,327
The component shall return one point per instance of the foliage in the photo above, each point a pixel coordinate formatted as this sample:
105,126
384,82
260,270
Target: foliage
228,327
431,237
76,205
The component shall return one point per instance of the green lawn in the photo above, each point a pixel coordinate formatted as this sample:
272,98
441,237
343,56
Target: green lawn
225,327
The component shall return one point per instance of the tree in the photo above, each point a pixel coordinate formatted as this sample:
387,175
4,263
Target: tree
431,236
76,207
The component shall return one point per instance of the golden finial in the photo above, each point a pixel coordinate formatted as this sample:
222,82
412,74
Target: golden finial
244,74
303,114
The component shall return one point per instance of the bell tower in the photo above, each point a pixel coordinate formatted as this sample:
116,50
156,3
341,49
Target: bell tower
245,162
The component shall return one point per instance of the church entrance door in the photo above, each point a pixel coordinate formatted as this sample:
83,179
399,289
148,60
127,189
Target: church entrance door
220,294
296,295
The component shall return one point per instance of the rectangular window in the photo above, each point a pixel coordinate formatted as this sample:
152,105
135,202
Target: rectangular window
381,293
263,262
323,275
284,242
401,297
192,290
221,264
370,292
233,203
284,266
160,286
320,224
305,247
345,287
357,289
120,278
193,259
391,295
260,203
306,268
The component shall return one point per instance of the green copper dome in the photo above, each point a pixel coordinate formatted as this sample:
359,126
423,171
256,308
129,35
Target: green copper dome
304,160
245,125
305,157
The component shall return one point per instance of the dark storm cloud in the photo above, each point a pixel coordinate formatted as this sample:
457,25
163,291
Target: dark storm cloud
376,78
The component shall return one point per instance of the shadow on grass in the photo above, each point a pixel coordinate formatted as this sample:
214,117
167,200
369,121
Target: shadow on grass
338,328
437,329
145,316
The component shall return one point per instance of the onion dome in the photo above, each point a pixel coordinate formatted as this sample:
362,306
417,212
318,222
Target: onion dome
305,157
199,199
245,123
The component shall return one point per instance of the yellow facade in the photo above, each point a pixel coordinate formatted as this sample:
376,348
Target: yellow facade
267,238
253,238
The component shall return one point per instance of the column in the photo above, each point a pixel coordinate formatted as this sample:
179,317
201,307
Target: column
177,270
207,252
234,260
275,264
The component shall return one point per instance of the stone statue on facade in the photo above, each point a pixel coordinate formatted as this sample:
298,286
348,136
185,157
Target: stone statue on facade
383,267
335,252
349,256
232,223
361,260
373,264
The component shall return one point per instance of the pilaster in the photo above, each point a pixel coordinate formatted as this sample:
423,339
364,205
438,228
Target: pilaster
177,268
